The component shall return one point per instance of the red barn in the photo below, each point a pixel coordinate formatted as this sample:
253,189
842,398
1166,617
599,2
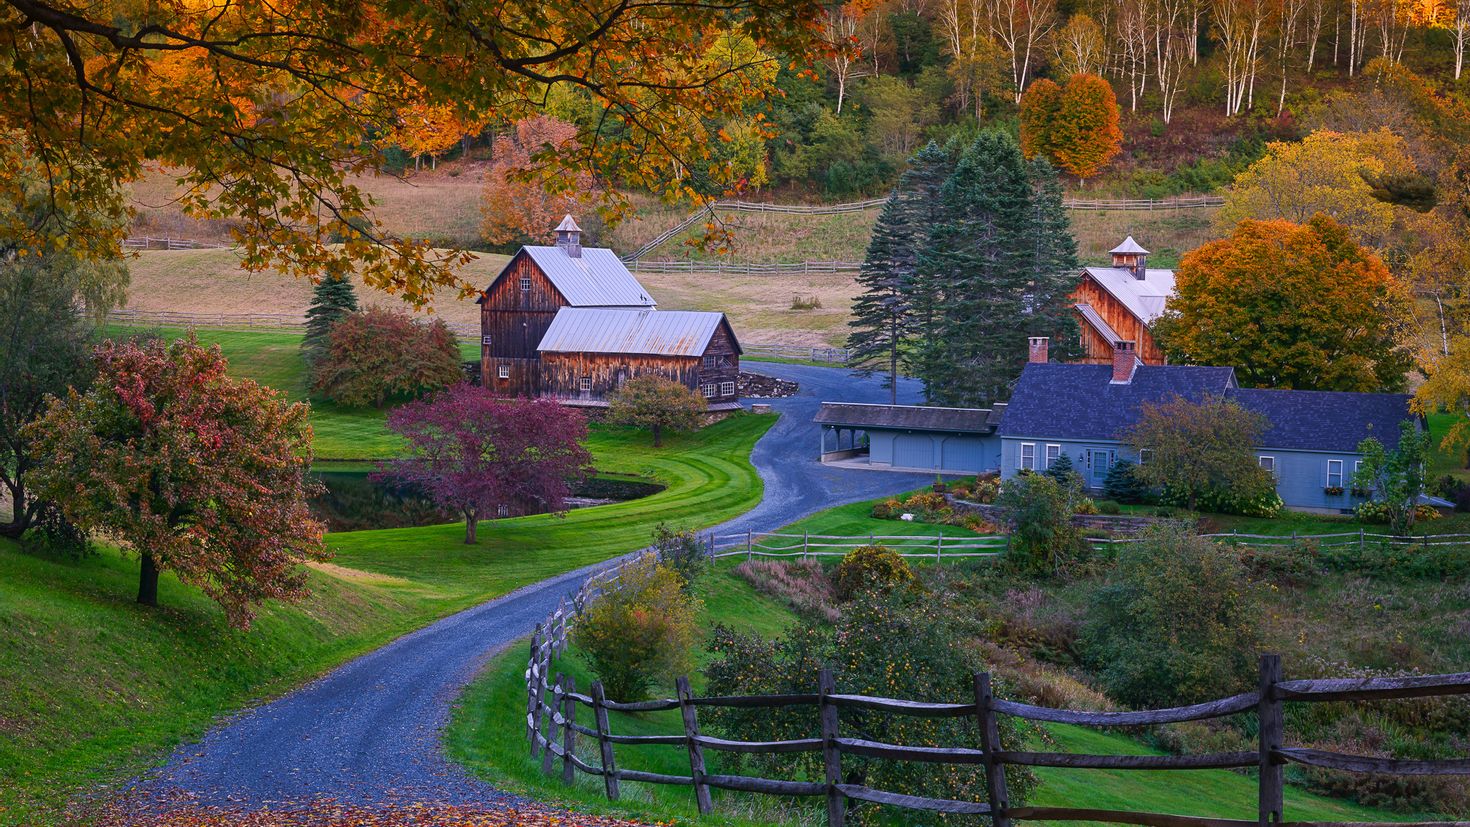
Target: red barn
1119,303
571,323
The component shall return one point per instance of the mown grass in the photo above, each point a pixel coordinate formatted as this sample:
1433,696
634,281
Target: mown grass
94,687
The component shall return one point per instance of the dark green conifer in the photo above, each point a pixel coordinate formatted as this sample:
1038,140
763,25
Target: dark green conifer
1054,266
895,308
332,300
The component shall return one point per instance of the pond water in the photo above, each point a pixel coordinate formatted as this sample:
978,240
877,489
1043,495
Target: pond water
353,502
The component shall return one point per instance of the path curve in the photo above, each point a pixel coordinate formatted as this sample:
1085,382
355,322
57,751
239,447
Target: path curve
369,731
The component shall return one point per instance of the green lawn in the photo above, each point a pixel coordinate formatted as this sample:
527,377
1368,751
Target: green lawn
856,520
273,357
93,687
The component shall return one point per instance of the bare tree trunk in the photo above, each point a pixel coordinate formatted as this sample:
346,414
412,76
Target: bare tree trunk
471,527
148,581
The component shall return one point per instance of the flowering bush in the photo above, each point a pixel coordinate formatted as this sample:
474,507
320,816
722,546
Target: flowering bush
982,489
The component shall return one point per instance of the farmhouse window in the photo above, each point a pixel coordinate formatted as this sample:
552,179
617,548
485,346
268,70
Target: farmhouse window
1268,463
710,390
586,383
727,389
1334,473
1143,455
525,284
1028,456
711,361
1053,451
486,340
504,372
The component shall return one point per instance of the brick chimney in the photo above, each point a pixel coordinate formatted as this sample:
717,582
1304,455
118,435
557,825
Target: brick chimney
1038,349
1125,360
569,237
1131,256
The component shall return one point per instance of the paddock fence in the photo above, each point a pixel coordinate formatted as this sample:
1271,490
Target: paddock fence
564,744
149,242
738,268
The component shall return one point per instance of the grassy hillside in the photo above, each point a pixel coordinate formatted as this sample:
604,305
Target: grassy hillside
93,687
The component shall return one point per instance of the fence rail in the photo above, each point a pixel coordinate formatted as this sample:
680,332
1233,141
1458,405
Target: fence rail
148,242
1182,203
806,545
555,733
832,355
737,268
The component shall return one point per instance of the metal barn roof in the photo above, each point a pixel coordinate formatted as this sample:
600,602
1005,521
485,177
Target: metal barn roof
1145,297
1098,323
1129,247
597,278
633,331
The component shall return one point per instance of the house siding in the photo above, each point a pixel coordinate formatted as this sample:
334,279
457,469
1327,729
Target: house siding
933,451
1301,476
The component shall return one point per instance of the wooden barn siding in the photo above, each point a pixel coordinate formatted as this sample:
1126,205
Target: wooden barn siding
562,372
1098,351
516,321
727,361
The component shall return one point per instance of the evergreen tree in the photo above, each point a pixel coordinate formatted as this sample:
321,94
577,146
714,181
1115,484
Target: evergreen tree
982,256
332,300
1123,485
1054,265
1061,469
895,308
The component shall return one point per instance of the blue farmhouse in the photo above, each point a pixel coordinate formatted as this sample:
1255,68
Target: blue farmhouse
1085,411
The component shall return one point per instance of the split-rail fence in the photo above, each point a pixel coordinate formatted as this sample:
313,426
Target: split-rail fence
554,730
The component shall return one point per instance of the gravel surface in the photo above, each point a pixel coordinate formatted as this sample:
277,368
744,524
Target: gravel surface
369,731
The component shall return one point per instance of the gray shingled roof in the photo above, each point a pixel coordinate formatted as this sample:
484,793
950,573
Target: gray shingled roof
1060,401
598,278
907,417
631,331
1325,420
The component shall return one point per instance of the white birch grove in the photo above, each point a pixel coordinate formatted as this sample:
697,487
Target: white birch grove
1461,30
1021,27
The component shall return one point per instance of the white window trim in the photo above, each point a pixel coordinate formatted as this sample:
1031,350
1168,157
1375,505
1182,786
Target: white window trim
586,383
1339,473
1143,454
710,390
525,284
727,389
1021,460
486,340
1263,459
1047,457
504,372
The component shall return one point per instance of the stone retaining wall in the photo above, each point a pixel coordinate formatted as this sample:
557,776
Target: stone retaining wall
1111,523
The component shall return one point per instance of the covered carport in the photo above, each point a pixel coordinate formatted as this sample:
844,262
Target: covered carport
910,437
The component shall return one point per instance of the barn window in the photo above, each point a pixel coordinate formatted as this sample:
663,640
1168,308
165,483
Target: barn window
1028,456
485,340
711,361
727,389
710,390
1267,463
504,372
525,284
586,383
1053,451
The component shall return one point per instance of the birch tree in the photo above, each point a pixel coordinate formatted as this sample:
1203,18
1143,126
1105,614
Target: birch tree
1021,27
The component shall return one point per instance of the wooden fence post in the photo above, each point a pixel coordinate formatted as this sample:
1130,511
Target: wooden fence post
806,543
831,753
939,547
550,718
749,545
609,767
533,678
696,752
1361,544
995,772
568,734
1271,727
542,667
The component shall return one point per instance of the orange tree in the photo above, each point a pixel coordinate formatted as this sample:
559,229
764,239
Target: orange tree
514,209
1290,306
267,111
1074,126
195,472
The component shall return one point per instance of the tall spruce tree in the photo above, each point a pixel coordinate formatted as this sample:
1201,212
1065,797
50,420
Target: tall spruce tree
332,300
1006,261
896,308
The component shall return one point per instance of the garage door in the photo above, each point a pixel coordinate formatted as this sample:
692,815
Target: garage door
963,454
911,451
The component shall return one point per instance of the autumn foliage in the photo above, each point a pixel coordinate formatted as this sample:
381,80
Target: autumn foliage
196,473
656,403
1289,306
379,355
640,631
516,209
482,456
1074,126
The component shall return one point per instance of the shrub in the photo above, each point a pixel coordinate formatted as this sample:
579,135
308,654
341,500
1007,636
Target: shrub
656,403
1123,485
682,551
51,534
894,646
802,584
640,631
1173,623
1085,505
380,355
1374,512
1426,512
889,509
871,569
1249,501
1109,507
1043,539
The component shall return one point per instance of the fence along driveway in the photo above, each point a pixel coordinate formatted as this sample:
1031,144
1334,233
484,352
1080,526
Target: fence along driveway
553,731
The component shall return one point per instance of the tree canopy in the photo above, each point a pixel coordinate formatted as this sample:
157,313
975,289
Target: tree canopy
656,403
1196,449
264,113
1290,306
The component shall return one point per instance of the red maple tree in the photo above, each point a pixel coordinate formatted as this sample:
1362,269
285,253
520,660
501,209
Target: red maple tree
195,472
480,455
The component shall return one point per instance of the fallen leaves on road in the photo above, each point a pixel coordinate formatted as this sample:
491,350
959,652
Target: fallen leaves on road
338,815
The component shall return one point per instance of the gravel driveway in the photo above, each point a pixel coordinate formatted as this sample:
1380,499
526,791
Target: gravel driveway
369,731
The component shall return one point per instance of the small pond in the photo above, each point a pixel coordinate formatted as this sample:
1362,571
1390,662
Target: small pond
353,502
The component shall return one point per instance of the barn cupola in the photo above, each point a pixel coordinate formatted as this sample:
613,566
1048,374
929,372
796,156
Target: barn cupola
569,237
1131,256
